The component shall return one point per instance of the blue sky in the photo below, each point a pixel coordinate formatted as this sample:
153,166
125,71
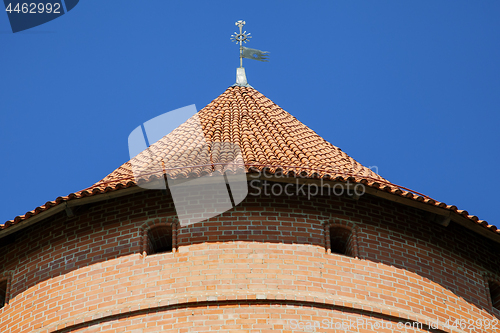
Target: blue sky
410,87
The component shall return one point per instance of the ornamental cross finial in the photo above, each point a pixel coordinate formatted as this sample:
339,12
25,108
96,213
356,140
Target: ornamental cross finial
241,38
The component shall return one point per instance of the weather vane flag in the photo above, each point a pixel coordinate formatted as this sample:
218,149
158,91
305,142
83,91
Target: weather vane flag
246,52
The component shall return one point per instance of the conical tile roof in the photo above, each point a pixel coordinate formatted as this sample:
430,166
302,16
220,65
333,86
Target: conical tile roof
268,137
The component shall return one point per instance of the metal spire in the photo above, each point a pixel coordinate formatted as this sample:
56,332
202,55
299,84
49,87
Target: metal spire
241,38
245,52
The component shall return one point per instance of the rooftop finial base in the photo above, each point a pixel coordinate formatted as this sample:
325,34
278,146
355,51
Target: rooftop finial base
241,78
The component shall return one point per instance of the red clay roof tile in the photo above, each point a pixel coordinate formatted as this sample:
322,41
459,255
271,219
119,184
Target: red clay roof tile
268,137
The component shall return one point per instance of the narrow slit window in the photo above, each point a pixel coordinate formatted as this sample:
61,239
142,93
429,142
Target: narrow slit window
495,294
3,293
160,239
341,240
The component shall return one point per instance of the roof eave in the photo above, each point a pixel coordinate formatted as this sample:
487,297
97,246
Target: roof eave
444,215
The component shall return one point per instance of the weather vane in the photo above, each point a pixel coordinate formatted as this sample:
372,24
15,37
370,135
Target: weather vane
245,52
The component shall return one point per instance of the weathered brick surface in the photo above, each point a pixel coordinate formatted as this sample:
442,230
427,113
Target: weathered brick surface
91,267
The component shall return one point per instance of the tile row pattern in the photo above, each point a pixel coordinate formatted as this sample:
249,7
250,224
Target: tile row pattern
244,126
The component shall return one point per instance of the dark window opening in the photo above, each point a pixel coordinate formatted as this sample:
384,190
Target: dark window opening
340,240
495,294
3,293
160,240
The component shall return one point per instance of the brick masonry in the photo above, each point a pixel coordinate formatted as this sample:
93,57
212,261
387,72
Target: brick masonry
262,266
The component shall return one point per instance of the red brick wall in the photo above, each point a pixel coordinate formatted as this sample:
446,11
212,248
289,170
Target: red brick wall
90,267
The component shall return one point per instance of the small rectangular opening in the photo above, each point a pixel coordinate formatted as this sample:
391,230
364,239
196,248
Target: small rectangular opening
340,240
160,239
495,294
3,293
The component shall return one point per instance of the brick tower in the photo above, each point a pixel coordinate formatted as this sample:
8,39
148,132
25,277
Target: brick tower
114,257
